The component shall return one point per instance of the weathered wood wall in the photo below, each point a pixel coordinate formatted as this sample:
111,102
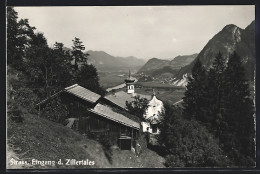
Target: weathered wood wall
91,123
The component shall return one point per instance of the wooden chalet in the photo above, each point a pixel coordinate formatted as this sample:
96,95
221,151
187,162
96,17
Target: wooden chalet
93,115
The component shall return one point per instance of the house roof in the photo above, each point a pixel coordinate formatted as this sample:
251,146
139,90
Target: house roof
83,93
120,98
78,91
108,113
155,102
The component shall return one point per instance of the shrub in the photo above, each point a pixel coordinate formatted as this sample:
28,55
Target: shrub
194,147
55,111
14,112
106,142
26,98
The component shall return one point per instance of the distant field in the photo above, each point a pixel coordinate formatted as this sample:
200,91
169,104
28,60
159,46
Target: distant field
166,95
110,79
155,84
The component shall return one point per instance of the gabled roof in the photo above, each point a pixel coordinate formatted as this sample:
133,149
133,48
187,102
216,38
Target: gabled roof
78,91
83,93
155,102
108,113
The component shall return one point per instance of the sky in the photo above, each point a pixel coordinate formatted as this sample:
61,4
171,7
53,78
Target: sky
141,31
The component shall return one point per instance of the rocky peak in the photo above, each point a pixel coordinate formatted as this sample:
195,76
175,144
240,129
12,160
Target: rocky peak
233,32
230,38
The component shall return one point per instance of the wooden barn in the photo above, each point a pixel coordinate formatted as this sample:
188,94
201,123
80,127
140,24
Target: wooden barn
90,114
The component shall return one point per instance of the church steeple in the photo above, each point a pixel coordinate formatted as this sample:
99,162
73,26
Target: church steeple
154,94
130,84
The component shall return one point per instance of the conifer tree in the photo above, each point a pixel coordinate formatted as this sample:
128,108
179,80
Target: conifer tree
193,100
19,35
77,52
38,63
215,94
60,68
85,75
239,112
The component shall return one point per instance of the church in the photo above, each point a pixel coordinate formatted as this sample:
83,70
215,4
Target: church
152,113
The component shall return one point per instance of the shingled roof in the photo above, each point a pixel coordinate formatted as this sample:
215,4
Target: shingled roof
83,93
108,113
78,91
120,98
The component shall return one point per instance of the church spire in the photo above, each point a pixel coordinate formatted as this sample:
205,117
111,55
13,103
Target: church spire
154,92
130,84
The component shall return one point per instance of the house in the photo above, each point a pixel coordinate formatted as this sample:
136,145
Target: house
89,114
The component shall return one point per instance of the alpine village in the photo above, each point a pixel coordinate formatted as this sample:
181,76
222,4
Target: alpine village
65,107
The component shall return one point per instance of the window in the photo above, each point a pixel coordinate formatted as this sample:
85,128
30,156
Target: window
154,128
131,87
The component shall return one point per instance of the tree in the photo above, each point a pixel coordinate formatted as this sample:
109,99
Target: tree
38,63
137,107
169,119
12,31
19,35
239,112
215,95
187,142
193,100
60,68
87,77
78,55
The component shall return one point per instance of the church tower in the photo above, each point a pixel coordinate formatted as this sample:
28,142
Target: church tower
130,87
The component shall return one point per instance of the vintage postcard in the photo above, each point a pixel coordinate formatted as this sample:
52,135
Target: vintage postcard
130,87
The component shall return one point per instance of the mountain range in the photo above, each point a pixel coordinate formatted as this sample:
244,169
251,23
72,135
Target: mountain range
106,62
230,38
157,66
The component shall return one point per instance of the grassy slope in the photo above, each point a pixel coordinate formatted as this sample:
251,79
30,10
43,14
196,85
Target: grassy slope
45,140
42,139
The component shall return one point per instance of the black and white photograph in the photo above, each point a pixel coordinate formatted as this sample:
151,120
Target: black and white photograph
130,87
